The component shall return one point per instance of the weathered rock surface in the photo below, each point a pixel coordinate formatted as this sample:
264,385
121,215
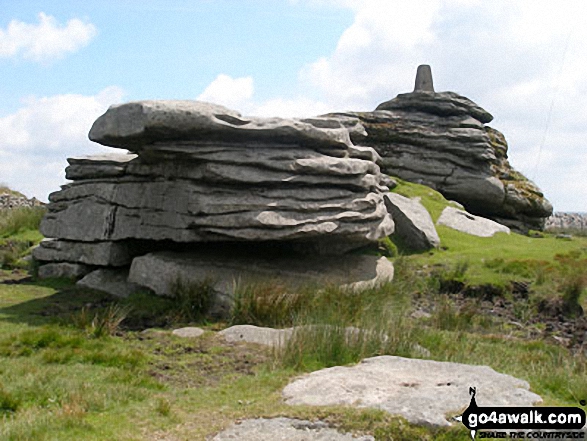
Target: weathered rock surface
90,253
413,223
422,391
112,281
285,429
441,140
204,173
225,272
467,223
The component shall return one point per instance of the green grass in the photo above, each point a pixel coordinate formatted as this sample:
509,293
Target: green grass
19,231
75,364
17,220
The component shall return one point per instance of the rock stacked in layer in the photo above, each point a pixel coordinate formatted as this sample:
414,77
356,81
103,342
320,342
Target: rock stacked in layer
441,140
203,173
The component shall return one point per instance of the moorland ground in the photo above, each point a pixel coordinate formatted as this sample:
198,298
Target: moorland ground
77,364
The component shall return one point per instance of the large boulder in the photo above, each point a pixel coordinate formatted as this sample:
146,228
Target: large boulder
441,139
224,272
422,391
203,173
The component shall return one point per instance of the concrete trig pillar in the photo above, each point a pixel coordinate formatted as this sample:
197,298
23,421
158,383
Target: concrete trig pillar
424,79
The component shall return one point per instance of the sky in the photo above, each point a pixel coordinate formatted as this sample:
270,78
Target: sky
63,62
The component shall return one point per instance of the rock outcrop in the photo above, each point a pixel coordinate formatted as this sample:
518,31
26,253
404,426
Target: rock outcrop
201,173
441,139
15,200
567,222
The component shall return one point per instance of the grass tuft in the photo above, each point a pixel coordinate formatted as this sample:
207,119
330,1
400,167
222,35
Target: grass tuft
17,220
103,322
192,299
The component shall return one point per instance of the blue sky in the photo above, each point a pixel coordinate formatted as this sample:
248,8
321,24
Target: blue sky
62,63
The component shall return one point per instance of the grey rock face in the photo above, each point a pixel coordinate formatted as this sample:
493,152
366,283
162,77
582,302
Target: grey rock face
285,429
227,272
63,269
204,173
413,223
440,139
422,391
112,281
467,223
96,253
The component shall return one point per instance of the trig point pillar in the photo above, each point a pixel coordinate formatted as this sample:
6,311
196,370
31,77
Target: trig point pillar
424,79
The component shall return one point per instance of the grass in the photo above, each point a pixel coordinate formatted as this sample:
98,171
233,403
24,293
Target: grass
75,364
18,233
16,220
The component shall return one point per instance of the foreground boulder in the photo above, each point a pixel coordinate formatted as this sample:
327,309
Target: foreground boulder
441,139
422,391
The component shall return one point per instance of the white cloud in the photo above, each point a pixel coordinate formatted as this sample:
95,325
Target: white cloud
289,108
46,40
228,91
238,94
517,59
36,140
523,61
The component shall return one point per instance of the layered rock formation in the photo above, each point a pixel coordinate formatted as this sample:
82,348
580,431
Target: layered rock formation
441,139
201,173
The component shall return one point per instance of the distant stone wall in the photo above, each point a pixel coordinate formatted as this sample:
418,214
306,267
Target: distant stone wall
570,221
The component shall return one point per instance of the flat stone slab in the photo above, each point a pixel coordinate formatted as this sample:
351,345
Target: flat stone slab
468,223
285,429
422,391
139,123
188,332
